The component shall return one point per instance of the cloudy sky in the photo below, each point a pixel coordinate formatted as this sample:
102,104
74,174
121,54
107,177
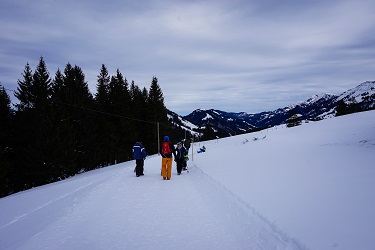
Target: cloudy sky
233,55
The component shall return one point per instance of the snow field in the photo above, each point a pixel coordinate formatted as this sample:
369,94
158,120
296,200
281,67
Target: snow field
314,182
310,186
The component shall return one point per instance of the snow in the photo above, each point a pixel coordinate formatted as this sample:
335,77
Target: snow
307,187
188,124
359,92
208,117
316,98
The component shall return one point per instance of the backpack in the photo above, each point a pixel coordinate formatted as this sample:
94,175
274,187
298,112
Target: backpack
165,149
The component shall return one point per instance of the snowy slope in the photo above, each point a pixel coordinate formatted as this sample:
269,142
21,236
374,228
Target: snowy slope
310,186
315,182
359,93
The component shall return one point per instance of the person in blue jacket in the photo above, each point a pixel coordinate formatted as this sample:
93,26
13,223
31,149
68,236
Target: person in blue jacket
139,153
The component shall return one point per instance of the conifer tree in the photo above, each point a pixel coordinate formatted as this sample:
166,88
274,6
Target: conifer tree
136,112
137,101
61,155
5,109
120,105
77,121
32,141
103,124
6,114
24,89
157,113
102,89
41,86
156,102
57,85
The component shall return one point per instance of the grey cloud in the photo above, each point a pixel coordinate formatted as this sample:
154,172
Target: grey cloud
234,55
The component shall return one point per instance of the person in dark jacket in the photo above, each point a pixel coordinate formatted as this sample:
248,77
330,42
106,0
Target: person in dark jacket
180,157
187,144
139,153
166,151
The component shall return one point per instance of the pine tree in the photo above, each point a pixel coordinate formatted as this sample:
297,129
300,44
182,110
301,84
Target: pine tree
76,122
62,137
6,114
34,90
157,112
57,85
136,112
104,128
102,89
41,86
156,102
32,123
120,105
24,90
5,109
137,102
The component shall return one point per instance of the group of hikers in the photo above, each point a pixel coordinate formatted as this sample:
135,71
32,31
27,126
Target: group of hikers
167,149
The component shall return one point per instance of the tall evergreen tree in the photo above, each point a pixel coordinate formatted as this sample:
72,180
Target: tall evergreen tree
24,89
5,109
102,89
76,125
84,145
41,86
6,114
136,112
62,136
57,84
156,102
32,148
120,105
157,112
103,127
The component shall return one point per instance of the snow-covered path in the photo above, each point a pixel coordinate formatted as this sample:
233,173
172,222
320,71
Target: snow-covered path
111,208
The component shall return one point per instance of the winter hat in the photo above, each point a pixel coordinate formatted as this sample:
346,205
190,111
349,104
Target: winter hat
166,138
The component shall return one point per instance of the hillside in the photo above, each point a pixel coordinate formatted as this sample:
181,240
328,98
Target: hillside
309,186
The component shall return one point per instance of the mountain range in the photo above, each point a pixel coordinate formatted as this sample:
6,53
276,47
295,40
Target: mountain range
315,108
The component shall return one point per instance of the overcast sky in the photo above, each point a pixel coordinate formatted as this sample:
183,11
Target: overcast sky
232,55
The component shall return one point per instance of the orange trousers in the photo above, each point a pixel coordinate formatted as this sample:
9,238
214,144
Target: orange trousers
166,167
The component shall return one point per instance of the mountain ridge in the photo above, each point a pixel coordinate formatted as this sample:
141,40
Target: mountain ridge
317,107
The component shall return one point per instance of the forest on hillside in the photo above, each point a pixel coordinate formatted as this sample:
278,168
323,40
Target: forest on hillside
59,128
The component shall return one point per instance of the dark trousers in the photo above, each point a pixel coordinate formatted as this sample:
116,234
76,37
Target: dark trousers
180,164
139,167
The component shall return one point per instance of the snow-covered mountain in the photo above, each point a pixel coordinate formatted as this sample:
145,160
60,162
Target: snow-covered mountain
180,122
364,94
224,123
315,108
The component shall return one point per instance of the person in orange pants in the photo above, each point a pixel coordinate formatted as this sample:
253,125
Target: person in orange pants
166,151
